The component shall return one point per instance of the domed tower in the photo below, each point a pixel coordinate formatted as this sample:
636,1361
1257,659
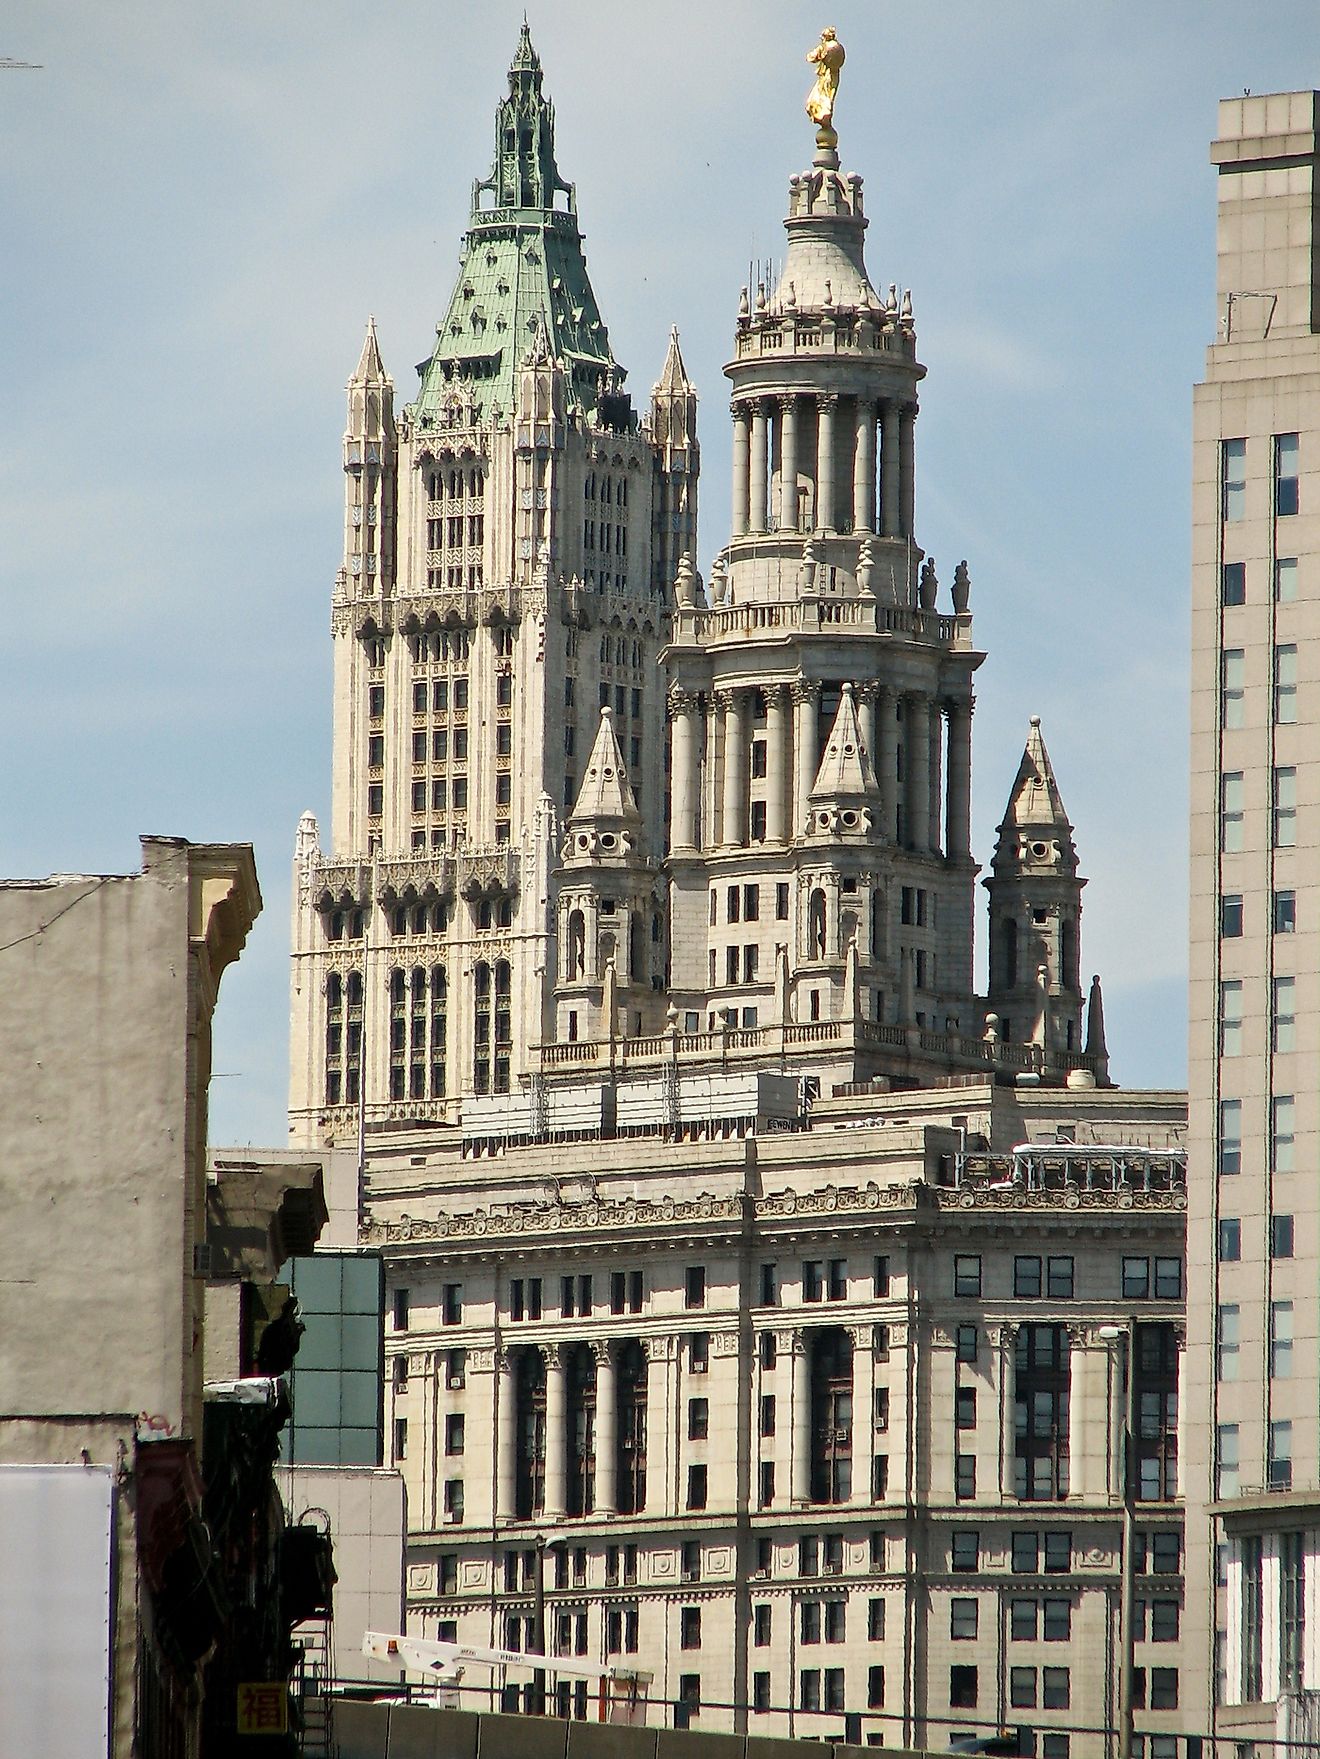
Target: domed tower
610,927
1036,912
818,599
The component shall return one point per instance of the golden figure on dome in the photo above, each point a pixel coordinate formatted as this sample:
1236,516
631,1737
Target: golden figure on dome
827,58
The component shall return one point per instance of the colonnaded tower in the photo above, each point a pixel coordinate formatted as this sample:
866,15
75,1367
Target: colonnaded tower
527,887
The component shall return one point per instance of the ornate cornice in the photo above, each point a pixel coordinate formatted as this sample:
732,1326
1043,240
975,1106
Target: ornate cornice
542,1219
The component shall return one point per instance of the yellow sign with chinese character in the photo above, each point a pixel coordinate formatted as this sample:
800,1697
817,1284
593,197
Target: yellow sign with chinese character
263,1708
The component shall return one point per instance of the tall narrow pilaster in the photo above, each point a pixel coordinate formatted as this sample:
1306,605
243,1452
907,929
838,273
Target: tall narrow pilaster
916,770
886,758
733,705
776,762
788,463
760,469
606,1438
935,809
864,467
684,707
806,757
907,464
556,1436
960,779
891,480
506,1441
801,1418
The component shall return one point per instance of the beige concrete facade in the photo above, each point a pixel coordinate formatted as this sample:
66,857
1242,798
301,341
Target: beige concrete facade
1254,1439
813,1560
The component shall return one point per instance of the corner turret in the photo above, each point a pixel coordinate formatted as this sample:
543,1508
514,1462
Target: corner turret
369,475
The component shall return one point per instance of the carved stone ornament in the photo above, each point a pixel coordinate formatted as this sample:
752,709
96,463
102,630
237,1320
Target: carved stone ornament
724,1343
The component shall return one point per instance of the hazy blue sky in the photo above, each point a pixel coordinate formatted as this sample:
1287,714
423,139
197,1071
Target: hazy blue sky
202,204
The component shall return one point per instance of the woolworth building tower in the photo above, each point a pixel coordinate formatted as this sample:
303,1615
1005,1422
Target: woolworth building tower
593,813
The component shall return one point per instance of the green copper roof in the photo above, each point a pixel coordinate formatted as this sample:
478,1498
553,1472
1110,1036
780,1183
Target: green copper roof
522,256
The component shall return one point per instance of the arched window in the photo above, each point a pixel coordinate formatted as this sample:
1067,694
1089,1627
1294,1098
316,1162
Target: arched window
816,926
529,1463
831,1415
504,913
577,945
334,1038
1010,952
631,1392
850,929
481,1028
439,1029
503,1024
580,1387
353,1037
417,1035
398,1034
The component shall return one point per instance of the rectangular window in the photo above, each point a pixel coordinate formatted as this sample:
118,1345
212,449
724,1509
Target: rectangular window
875,1619
767,1420
698,1352
965,1407
1233,478
766,1484
1026,1552
1168,1279
698,1419
1059,1278
1285,806
760,1693
696,1487
809,1688
962,1688
813,1279
1230,916
966,1274
1230,1239
875,1687
963,1619
1058,1553
1281,1340
1057,1622
1230,1136
838,1286
966,1545
1285,579
1026,1277
1055,1688
400,1438
1233,687
1285,684
964,1487
454,1432
1281,1236
966,1343
1285,1014
1286,456
454,1500
1226,1460
694,1286
767,1349
1233,583
689,1699
1232,808
1136,1279
1281,1133
1229,1342
769,1285
1022,1688
781,903
1285,913
761,1625
1023,1616
1230,1017
401,1310
751,903
689,1627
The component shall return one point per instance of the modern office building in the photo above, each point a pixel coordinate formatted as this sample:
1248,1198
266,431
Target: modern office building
1254,1439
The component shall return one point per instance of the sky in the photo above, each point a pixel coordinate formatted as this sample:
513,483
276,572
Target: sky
203,204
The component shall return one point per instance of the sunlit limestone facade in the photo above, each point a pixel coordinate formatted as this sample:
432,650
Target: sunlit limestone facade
1254,1221
510,539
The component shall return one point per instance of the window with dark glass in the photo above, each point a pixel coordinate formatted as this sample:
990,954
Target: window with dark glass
831,1415
1041,1392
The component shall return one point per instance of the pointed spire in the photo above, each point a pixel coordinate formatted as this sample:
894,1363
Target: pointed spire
1095,1027
673,380
606,792
370,369
846,770
525,59
1035,831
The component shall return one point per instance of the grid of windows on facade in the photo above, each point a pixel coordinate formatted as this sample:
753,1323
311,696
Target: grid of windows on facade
438,784
343,1037
1041,1368
455,524
602,1464
605,530
492,1025
419,1025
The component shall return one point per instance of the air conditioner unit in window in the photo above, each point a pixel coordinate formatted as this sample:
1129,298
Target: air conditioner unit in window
760,1575
831,1569
691,1575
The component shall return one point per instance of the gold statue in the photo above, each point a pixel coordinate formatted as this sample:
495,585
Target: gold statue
827,58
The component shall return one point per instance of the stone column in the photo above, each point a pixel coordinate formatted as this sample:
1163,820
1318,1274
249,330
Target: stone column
865,695
1079,1412
864,467
683,708
826,404
556,1436
890,476
760,475
506,1459
960,779
734,792
801,1418
916,769
1008,1413
788,464
607,1495
711,790
885,758
776,754
806,752
741,431
907,467
934,811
